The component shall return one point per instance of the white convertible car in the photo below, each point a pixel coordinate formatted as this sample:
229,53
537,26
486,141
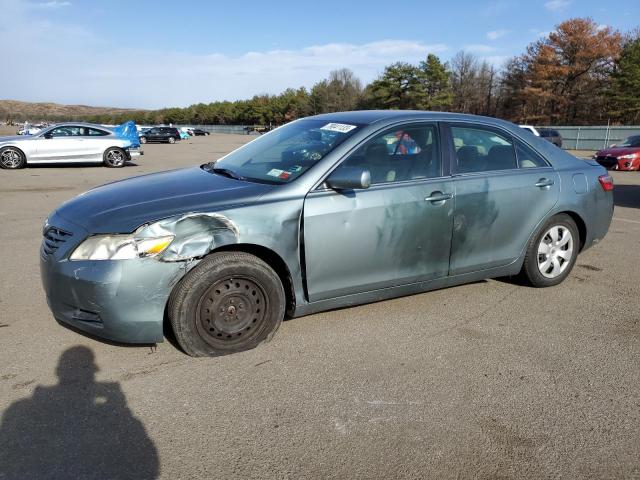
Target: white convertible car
72,142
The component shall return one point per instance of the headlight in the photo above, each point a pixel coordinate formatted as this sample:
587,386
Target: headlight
631,156
120,247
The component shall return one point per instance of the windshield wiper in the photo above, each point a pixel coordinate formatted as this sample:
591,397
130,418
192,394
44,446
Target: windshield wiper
227,173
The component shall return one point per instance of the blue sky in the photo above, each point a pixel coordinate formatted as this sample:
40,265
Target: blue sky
154,54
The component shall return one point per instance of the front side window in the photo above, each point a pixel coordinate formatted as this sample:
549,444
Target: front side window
284,154
66,131
480,150
633,141
403,153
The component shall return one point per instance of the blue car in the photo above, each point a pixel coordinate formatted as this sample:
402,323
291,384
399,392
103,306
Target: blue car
328,211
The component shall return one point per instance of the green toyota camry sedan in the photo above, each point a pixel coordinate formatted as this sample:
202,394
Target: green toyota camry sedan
324,212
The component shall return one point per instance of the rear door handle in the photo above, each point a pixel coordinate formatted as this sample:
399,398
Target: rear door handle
544,182
436,197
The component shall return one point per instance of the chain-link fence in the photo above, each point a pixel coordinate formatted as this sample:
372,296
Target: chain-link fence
593,138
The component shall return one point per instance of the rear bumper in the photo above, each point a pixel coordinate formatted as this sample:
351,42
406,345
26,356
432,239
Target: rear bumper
122,300
134,152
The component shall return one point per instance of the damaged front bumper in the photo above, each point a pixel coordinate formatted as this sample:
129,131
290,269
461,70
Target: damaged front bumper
119,300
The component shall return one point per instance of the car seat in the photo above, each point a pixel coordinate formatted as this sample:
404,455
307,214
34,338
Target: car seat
501,157
469,159
378,161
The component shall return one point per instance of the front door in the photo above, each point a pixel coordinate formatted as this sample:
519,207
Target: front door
503,189
396,232
61,144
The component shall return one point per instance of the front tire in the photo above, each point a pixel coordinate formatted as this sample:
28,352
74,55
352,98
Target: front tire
552,252
230,302
12,158
114,157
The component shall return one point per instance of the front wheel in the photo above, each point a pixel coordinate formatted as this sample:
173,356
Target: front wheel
12,158
114,157
552,252
172,140
230,302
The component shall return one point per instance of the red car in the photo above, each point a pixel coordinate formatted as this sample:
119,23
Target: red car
624,156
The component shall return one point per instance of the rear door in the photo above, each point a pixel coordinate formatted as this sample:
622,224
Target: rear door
503,189
396,232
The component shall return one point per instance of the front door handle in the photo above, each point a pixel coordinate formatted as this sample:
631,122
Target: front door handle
438,196
544,182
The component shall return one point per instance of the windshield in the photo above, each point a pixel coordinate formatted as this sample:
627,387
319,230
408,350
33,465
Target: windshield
631,142
284,154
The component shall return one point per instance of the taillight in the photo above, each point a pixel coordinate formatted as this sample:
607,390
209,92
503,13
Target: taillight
606,182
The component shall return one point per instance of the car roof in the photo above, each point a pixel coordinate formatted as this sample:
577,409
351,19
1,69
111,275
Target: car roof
367,117
81,124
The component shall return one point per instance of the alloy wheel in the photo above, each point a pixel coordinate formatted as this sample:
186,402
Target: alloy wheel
10,158
115,157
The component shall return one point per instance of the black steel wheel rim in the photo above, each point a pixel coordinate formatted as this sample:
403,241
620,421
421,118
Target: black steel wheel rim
231,311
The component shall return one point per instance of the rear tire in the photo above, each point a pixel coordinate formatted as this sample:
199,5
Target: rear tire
552,252
172,140
143,140
230,302
12,158
114,157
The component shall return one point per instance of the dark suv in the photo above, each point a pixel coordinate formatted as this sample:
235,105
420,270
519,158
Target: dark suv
160,134
552,136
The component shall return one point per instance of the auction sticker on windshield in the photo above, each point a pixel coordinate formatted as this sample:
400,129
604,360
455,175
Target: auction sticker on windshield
338,127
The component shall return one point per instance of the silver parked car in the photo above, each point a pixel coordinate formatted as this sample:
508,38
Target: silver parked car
70,142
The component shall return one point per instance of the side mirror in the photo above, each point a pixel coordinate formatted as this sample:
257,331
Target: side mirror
349,178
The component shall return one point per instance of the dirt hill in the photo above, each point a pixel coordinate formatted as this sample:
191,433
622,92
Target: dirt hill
20,111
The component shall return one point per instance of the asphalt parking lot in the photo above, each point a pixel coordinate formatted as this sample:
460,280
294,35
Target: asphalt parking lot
488,380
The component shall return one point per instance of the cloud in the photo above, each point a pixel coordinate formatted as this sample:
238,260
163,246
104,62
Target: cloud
601,27
94,72
479,48
51,4
496,34
557,5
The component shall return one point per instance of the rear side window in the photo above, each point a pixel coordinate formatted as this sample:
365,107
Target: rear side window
94,132
481,150
528,157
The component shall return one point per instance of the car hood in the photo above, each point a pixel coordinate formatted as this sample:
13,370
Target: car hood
617,151
122,206
14,138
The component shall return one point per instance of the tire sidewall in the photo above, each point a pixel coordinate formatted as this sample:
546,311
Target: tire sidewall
205,274
531,261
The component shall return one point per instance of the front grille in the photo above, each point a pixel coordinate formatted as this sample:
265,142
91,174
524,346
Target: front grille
53,238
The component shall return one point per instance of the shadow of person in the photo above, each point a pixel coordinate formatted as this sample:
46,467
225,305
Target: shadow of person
78,428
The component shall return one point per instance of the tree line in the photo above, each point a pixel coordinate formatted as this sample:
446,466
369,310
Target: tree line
579,74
